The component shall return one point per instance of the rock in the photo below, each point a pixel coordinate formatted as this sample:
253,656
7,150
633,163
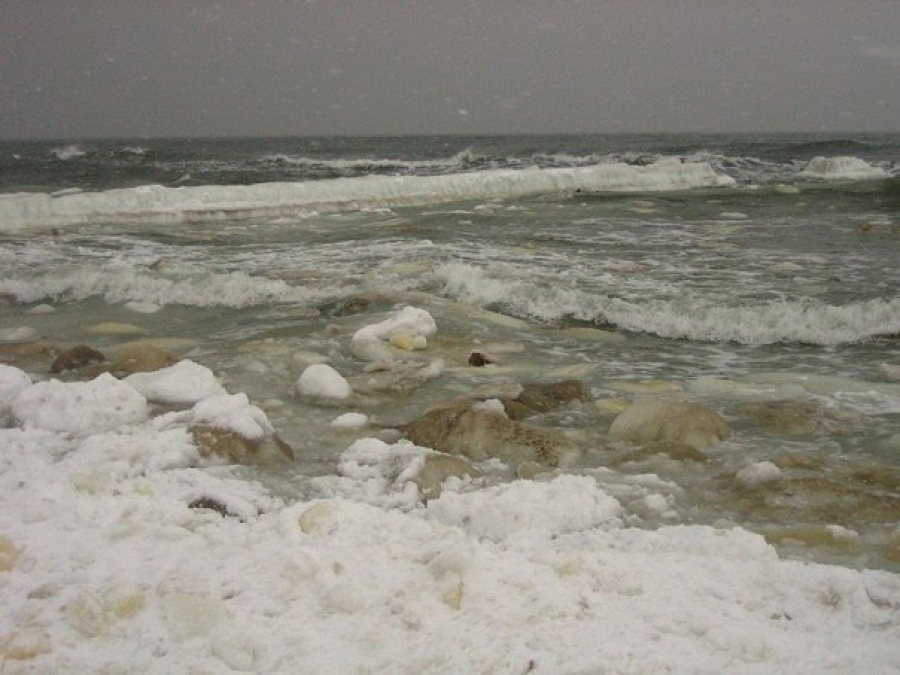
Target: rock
211,504
25,644
536,398
19,334
322,383
479,360
191,615
437,468
791,417
408,343
115,328
240,449
480,434
86,615
397,379
75,358
676,450
9,554
140,357
648,420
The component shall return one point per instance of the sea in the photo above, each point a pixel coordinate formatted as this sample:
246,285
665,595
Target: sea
756,275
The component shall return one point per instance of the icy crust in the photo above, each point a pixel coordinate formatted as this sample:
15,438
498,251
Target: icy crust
182,383
113,571
841,168
155,203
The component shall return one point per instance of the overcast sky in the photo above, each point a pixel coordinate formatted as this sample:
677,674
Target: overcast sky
139,68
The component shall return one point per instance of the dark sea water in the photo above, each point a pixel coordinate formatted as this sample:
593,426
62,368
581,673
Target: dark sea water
745,273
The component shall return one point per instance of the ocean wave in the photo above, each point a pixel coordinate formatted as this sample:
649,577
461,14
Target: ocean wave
155,203
234,289
690,316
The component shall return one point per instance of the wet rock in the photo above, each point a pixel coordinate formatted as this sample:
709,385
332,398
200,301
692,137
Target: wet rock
240,449
212,504
479,433
140,357
437,468
676,450
19,334
115,328
536,398
479,360
813,535
15,352
649,420
789,418
76,358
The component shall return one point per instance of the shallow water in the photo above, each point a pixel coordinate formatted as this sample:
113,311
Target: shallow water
731,297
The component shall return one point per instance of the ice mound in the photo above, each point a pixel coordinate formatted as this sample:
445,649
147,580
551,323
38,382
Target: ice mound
184,382
12,382
80,408
841,168
563,505
405,330
322,382
232,412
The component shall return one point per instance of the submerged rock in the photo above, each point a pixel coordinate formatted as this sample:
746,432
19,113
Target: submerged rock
479,432
536,398
791,417
141,357
648,420
397,379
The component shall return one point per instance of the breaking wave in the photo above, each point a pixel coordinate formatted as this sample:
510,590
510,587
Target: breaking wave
155,203
689,317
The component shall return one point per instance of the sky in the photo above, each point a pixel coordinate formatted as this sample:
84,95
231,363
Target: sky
133,68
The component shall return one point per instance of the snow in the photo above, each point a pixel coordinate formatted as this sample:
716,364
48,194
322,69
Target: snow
409,326
183,382
107,568
322,381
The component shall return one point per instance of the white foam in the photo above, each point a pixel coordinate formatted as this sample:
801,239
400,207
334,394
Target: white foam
155,203
690,317
841,168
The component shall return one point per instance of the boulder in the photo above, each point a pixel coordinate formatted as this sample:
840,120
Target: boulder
140,357
321,383
648,420
436,468
240,449
230,427
536,398
480,432
76,358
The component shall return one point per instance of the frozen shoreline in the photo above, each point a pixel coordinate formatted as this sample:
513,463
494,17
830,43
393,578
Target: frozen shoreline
115,562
